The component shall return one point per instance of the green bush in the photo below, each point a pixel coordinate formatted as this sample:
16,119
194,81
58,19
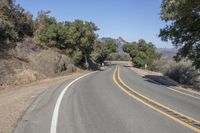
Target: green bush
184,73
15,23
76,38
162,65
142,53
77,56
101,50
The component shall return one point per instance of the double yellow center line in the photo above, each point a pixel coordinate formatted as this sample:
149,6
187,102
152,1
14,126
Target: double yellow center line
170,113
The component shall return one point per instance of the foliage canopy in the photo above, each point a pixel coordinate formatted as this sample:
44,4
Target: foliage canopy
142,53
15,23
183,27
102,49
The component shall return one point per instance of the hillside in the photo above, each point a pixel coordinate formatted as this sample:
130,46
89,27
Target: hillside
28,62
34,48
167,53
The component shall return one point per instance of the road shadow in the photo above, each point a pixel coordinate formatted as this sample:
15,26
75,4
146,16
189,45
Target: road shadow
93,66
160,80
128,66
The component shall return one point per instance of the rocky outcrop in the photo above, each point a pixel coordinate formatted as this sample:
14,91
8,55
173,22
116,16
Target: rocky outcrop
120,43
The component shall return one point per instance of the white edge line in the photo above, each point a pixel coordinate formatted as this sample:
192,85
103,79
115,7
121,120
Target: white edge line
170,87
174,89
184,93
58,102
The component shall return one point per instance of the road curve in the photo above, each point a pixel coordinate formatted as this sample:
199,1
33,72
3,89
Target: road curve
96,104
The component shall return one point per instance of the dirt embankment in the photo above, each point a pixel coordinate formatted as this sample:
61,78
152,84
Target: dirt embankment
28,63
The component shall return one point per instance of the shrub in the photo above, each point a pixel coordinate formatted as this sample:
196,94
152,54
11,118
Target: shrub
184,73
142,53
162,65
15,23
102,49
77,56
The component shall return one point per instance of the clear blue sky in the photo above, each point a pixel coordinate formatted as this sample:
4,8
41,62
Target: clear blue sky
130,19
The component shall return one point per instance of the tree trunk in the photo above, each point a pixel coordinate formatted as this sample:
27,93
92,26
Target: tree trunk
86,62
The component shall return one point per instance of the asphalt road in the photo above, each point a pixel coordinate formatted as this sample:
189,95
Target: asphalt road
96,104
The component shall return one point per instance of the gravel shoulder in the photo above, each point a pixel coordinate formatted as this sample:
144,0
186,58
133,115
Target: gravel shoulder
15,100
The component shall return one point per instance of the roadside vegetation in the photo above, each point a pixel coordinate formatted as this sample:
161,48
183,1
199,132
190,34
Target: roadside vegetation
182,29
102,49
26,43
143,54
78,39
183,21
34,49
184,73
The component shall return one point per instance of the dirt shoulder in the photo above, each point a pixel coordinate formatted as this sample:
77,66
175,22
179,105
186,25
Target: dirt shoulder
164,80
15,100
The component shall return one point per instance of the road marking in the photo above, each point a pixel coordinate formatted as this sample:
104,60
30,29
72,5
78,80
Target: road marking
58,102
169,87
170,113
183,93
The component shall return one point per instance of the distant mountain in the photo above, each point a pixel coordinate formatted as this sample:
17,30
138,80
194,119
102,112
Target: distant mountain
167,53
119,42
107,39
